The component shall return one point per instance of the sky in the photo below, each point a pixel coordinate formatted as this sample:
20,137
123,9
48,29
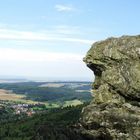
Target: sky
48,38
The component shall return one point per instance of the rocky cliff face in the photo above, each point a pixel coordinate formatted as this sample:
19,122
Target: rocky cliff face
114,113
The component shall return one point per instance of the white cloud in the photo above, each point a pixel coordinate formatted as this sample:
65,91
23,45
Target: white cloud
8,34
62,8
24,55
30,63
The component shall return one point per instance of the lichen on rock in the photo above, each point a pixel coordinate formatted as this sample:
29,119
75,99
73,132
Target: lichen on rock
114,113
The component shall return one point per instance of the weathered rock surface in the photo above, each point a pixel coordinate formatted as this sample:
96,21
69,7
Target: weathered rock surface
114,113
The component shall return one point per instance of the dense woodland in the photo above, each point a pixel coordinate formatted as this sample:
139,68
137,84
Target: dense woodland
40,125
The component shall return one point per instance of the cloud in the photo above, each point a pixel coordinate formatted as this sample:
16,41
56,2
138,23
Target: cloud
64,8
8,34
31,63
26,55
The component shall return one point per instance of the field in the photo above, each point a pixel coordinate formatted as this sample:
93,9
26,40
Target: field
55,85
10,96
51,94
72,103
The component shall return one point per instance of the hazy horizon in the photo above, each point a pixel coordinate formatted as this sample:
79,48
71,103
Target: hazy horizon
45,79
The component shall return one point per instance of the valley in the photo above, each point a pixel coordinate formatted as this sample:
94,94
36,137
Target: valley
51,94
29,98
26,107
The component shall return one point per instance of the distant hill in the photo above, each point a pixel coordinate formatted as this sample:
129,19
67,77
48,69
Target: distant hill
51,91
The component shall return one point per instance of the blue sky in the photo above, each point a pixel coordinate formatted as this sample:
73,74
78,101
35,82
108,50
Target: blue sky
49,38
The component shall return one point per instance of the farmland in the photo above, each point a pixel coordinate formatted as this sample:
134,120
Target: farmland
7,95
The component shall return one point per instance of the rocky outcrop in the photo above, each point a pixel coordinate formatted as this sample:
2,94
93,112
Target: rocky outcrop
114,113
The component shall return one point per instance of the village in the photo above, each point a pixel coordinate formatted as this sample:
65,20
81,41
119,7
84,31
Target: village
22,108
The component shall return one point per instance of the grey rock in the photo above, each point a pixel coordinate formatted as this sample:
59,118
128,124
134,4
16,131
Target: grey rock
114,113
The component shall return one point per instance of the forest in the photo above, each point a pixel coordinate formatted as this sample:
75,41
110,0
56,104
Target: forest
54,121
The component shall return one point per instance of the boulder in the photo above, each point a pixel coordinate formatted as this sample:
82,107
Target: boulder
114,113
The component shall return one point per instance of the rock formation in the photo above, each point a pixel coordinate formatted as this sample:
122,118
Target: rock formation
114,113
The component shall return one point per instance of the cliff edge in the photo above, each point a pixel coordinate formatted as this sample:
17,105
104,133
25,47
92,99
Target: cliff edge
114,113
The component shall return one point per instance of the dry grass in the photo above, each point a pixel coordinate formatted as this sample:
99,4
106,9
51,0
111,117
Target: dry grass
7,95
10,96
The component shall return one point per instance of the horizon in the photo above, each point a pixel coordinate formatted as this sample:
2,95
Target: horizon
43,79
48,39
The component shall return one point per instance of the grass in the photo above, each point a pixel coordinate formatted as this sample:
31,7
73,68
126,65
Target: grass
10,96
7,95
72,103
